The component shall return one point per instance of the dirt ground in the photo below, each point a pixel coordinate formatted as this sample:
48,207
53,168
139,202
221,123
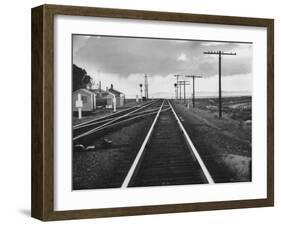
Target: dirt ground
237,108
108,164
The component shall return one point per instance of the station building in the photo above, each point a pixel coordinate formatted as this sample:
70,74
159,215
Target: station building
98,98
104,99
120,97
88,98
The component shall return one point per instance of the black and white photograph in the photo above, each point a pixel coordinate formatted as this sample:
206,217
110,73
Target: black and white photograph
160,112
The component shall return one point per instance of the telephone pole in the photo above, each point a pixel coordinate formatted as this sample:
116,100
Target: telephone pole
146,86
183,83
220,53
193,84
141,92
177,87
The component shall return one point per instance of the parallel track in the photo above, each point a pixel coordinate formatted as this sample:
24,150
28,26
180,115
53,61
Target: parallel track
93,126
164,155
110,116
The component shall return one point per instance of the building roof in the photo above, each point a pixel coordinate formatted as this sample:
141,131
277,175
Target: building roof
114,91
97,90
85,90
101,92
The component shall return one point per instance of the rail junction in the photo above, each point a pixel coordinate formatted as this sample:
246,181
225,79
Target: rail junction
165,155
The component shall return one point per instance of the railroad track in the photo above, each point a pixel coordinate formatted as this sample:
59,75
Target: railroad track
110,116
164,155
93,126
167,155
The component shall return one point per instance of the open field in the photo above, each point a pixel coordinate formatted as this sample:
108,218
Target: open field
237,108
227,141
224,144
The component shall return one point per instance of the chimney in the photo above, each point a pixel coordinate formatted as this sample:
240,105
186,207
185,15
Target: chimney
106,88
100,86
111,86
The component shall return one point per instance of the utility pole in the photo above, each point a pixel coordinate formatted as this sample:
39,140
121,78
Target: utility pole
180,90
220,53
176,88
193,84
145,86
177,77
141,92
183,83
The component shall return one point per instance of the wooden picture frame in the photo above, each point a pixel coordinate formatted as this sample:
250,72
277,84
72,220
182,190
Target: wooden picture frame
43,119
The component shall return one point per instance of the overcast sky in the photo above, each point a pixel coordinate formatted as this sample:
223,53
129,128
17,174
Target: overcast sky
124,61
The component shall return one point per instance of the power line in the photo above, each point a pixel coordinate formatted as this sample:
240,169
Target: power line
220,53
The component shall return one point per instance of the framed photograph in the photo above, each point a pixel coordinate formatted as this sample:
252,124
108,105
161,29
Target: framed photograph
142,112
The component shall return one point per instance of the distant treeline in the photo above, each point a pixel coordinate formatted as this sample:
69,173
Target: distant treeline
80,78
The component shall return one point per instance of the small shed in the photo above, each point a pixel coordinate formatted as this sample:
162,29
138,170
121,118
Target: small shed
104,99
110,99
120,97
88,98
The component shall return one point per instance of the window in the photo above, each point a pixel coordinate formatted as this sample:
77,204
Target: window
84,99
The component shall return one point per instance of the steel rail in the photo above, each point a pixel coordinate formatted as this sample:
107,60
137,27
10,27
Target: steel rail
103,117
117,118
140,152
192,148
93,120
106,120
130,119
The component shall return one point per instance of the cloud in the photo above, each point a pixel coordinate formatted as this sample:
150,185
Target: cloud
159,57
78,42
182,57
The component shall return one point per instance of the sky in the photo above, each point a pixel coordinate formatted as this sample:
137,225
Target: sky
123,62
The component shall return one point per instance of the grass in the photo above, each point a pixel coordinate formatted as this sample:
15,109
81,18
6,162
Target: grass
237,108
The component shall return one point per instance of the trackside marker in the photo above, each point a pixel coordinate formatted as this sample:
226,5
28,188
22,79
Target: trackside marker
193,149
